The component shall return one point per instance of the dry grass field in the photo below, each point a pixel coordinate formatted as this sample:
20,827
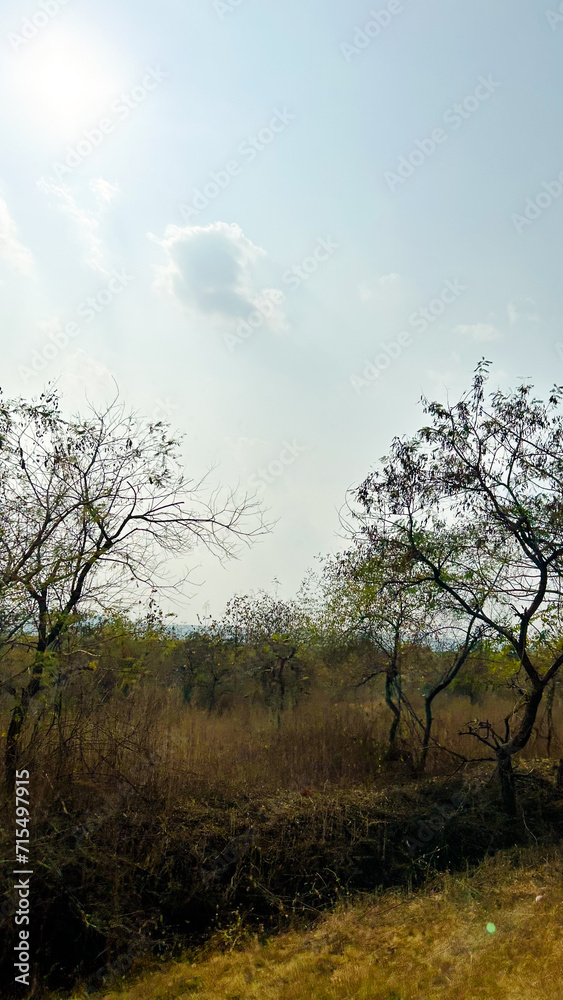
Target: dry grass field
320,745
435,944
136,799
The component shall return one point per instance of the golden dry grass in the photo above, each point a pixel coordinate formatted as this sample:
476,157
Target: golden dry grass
320,744
431,945
183,749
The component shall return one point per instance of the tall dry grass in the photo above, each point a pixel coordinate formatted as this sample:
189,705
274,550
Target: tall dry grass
136,798
155,741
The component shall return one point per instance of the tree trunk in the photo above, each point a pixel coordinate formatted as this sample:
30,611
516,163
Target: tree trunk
11,757
451,674
390,683
518,742
19,715
281,688
426,735
506,780
549,699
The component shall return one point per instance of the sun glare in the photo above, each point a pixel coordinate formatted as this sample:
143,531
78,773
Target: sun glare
64,84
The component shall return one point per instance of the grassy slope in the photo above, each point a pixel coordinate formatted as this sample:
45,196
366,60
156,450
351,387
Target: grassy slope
397,946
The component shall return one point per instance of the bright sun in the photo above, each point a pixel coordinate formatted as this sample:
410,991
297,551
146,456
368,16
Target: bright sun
64,84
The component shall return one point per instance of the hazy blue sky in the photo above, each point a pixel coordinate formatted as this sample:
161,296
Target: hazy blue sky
290,219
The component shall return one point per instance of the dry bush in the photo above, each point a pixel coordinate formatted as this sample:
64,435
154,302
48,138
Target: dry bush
82,750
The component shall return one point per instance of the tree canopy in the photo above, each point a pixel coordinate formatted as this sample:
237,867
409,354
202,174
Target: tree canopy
473,503
91,509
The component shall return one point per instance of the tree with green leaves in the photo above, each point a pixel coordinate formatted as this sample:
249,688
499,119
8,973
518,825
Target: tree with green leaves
91,509
270,633
370,592
474,501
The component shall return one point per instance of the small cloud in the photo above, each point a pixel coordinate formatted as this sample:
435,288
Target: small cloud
512,313
517,312
241,446
384,283
104,191
442,378
11,249
479,331
85,220
215,270
50,326
88,376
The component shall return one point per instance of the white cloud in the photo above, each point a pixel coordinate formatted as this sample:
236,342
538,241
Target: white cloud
442,379
215,270
86,377
85,220
479,331
10,247
104,190
520,311
241,446
386,282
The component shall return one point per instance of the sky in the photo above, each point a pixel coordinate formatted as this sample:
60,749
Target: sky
276,226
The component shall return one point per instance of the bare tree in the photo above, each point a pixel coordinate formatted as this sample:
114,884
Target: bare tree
91,510
475,502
